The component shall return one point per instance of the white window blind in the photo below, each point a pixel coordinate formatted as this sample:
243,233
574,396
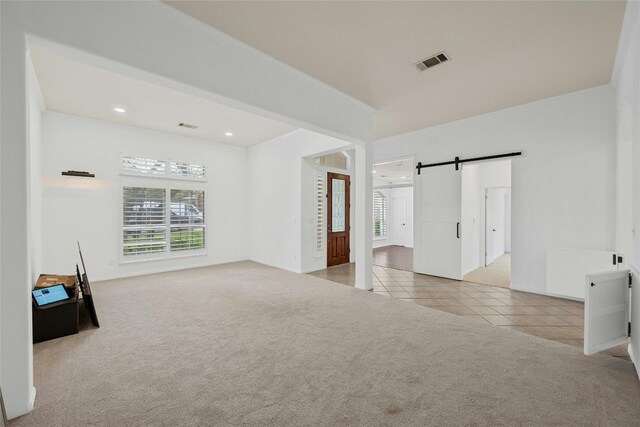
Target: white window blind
379,214
187,220
144,224
144,166
187,170
320,199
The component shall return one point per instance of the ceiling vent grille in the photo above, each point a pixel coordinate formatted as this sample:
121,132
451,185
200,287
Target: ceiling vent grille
188,126
432,61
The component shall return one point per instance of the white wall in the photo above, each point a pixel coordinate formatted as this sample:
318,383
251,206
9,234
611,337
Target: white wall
626,79
282,205
561,185
89,210
471,217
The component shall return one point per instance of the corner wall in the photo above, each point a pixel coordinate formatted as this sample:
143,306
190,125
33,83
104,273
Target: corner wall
562,185
626,79
281,222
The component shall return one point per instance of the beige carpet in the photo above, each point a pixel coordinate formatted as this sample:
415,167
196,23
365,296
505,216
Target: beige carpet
247,344
496,274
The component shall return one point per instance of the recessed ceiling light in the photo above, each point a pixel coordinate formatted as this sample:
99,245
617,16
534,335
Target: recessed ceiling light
119,110
228,133
373,172
404,177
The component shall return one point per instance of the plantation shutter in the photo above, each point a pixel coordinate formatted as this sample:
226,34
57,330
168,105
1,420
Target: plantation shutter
320,199
379,214
144,166
144,226
186,170
187,220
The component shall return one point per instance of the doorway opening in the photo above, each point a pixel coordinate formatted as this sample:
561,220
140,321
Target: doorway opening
393,214
486,223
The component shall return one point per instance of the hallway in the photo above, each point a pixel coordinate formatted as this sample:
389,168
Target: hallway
398,257
496,274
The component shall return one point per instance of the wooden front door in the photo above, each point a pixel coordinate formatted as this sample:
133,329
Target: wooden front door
338,189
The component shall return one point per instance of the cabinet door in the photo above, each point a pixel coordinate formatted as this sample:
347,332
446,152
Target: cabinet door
606,310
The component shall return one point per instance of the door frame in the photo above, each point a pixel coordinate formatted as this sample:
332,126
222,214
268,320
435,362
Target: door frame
412,158
347,219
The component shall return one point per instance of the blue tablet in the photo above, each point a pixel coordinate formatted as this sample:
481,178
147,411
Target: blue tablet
49,295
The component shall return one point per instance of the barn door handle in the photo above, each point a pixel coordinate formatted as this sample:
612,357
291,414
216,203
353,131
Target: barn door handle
458,230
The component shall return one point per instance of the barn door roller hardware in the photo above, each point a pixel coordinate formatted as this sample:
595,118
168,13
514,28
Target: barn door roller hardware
457,161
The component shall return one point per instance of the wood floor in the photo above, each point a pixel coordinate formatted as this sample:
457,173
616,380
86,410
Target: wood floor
551,318
398,257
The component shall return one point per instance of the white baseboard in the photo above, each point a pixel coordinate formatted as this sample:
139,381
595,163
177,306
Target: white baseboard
32,399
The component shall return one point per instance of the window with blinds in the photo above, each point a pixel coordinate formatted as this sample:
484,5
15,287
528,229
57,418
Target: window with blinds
144,224
320,199
186,170
379,214
144,166
187,220
147,217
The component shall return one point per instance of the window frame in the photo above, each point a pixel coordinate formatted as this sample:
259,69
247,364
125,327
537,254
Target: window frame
167,185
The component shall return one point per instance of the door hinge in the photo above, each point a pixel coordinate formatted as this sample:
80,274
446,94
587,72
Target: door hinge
615,258
629,329
630,280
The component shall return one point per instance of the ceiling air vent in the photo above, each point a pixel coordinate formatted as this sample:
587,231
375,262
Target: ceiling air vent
188,126
432,61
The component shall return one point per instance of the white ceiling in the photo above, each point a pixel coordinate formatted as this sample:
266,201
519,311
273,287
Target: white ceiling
75,88
396,172
503,53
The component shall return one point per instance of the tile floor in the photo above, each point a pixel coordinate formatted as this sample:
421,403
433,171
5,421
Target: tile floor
546,317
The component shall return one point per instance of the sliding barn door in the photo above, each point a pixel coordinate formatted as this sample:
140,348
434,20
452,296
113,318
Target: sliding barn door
438,234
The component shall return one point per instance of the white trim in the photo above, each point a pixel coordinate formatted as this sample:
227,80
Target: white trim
279,267
32,399
34,84
147,272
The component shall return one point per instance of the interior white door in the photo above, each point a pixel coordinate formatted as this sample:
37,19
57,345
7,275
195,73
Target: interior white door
438,210
490,226
606,310
399,221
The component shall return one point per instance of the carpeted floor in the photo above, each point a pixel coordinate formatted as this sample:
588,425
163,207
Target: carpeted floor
247,344
496,274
